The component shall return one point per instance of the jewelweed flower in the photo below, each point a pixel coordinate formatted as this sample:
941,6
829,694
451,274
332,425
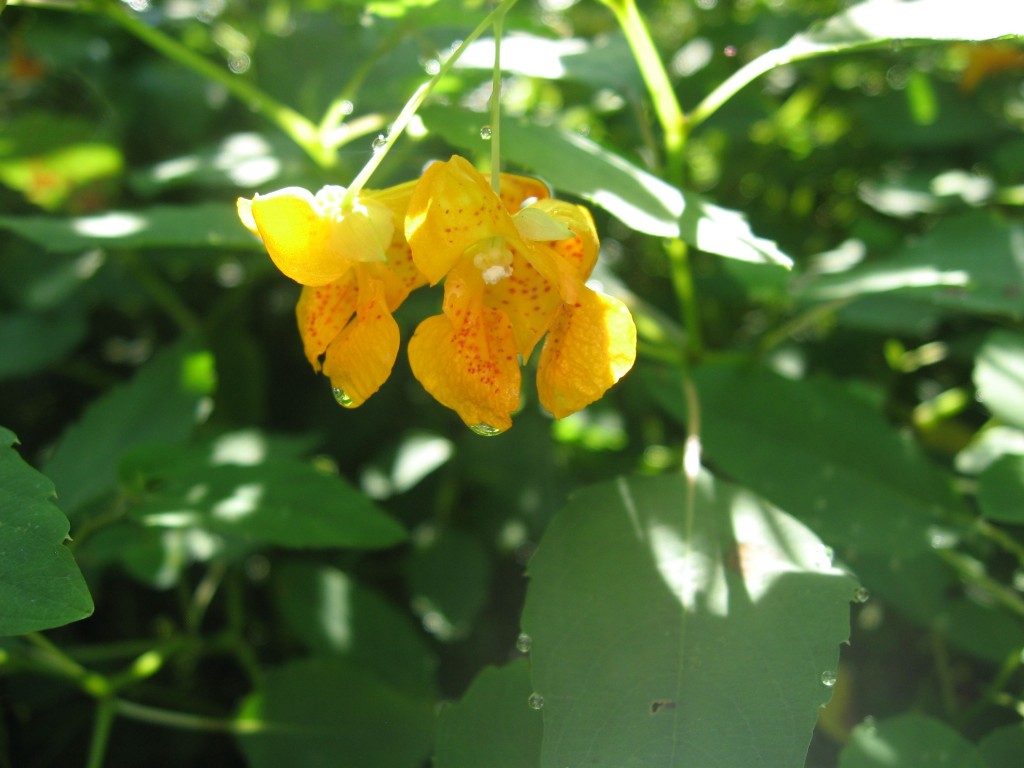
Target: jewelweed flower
355,267
515,268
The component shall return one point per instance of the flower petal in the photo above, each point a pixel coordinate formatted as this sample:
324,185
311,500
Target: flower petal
528,299
591,345
297,236
359,360
466,358
323,312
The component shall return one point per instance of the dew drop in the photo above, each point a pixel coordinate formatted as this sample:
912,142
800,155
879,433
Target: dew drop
432,67
380,142
861,595
485,429
523,643
342,397
729,50
485,133
536,701
828,678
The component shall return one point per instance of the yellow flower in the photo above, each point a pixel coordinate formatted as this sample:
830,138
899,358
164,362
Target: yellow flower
512,274
356,269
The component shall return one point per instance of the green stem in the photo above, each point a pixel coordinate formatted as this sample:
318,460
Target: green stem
686,294
302,131
409,110
666,105
495,107
184,720
106,711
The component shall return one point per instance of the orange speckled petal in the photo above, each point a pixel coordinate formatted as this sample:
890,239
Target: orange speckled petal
516,190
576,255
297,237
591,345
322,312
529,300
466,359
452,209
360,359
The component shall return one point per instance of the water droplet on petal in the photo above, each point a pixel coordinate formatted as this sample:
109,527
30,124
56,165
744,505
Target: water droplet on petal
536,701
523,643
485,429
861,595
342,397
828,678
485,133
380,142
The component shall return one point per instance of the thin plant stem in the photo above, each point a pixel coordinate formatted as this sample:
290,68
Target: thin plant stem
414,103
686,294
301,130
663,96
106,711
495,107
183,720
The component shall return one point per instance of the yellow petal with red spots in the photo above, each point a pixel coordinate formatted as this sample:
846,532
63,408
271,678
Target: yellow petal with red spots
297,236
529,300
466,359
576,255
591,345
359,360
323,312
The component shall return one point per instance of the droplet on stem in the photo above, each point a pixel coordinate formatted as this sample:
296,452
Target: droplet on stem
380,142
485,132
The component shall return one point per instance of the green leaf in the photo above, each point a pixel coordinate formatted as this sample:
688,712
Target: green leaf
909,741
823,455
40,584
1003,747
34,340
333,614
667,636
491,725
204,225
640,200
968,263
449,577
158,404
1001,490
325,712
999,376
281,501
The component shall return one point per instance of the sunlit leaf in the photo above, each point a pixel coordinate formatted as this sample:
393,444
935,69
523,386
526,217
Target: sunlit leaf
40,584
968,263
203,225
999,376
822,454
669,636
909,741
492,724
639,199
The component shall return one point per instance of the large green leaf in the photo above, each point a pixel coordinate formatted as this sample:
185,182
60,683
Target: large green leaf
326,712
969,263
639,199
1001,490
158,404
874,24
909,741
668,636
279,501
449,578
999,376
40,585
825,456
492,725
333,614
204,225
1003,747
